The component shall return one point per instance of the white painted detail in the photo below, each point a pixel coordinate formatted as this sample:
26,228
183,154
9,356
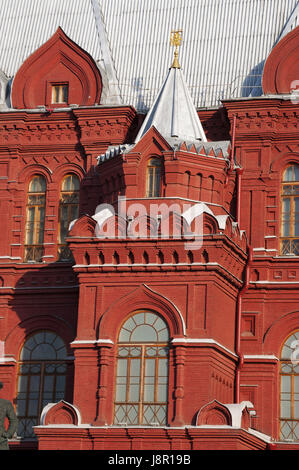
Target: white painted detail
2,350
221,219
236,410
274,282
195,211
90,341
260,356
47,408
202,341
174,306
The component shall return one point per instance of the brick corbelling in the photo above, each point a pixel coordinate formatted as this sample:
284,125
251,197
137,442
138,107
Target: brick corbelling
111,125
225,258
264,118
39,132
105,125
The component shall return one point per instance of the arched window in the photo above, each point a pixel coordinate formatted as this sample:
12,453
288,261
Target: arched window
68,211
290,211
142,371
153,178
289,389
41,378
35,219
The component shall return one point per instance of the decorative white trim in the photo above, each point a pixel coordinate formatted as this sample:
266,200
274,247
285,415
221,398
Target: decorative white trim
260,435
91,341
261,356
264,249
174,306
274,282
202,341
3,360
47,408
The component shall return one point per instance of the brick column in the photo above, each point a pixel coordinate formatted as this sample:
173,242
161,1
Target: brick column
104,390
179,362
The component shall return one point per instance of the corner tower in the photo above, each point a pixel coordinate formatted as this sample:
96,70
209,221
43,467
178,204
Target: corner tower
167,252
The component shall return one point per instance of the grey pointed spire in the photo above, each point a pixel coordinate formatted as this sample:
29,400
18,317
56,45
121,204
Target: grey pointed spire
173,112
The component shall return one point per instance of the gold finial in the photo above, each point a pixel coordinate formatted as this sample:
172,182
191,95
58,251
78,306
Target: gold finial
175,40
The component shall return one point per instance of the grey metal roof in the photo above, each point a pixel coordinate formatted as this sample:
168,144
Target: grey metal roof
220,149
173,113
225,42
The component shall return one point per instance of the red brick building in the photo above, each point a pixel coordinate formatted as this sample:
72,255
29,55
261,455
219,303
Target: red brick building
149,264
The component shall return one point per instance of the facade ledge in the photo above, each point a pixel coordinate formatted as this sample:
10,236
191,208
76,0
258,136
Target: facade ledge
203,341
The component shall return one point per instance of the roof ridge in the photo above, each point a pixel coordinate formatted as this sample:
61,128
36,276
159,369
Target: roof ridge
114,95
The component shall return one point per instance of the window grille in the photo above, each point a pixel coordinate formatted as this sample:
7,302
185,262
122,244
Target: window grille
154,178
289,389
289,242
35,219
141,396
42,373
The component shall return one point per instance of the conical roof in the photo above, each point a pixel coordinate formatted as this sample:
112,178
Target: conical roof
173,112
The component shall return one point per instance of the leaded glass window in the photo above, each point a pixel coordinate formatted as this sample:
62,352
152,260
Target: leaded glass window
41,378
68,211
289,389
35,219
290,211
142,371
154,178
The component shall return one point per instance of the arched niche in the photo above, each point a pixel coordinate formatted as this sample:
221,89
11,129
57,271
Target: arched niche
58,62
141,298
281,69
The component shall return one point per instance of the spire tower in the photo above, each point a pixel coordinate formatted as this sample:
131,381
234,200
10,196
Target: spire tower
173,112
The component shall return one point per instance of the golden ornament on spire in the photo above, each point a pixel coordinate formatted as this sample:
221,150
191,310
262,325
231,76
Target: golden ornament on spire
176,40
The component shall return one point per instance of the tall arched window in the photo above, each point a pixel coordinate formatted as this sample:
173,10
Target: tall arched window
68,211
35,219
41,378
142,371
154,178
289,389
290,211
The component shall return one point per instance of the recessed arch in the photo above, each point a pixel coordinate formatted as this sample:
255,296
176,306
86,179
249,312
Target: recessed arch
280,329
17,336
281,67
140,298
58,62
29,171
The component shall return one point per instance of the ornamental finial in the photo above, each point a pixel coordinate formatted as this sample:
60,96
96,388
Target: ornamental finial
176,40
